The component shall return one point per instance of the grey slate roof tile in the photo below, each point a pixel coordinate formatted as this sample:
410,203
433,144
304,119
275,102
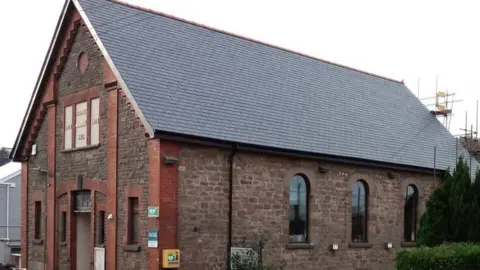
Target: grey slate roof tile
196,81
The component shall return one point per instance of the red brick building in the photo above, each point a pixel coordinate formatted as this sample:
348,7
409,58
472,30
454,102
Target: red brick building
232,139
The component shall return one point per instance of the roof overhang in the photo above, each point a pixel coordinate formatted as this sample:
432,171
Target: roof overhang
14,154
114,69
242,147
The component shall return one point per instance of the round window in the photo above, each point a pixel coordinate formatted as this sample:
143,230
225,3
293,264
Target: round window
82,62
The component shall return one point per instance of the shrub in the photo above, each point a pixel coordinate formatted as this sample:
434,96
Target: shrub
443,257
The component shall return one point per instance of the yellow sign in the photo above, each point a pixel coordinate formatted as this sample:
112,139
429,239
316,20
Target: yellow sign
441,94
171,258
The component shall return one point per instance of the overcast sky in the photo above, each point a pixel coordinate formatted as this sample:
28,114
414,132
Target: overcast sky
404,40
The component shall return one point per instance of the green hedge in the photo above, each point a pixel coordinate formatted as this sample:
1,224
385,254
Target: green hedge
447,256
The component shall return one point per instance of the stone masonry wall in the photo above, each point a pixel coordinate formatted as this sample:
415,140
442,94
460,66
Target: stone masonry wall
36,188
261,203
62,203
203,207
132,173
90,163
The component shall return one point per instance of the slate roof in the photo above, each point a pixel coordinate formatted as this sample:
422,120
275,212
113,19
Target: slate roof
193,80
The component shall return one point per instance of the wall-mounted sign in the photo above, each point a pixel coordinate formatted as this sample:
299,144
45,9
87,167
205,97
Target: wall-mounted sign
152,238
81,124
171,258
153,211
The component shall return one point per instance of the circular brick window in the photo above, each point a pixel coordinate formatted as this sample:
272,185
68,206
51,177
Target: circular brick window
82,62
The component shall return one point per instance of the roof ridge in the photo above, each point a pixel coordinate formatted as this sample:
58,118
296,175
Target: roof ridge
253,40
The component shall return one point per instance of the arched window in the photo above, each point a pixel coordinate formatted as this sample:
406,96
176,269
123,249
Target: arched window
359,211
298,212
410,221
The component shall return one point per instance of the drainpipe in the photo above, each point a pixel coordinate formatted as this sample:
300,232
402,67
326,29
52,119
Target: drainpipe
230,205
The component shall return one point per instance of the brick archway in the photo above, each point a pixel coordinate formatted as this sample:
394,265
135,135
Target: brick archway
68,188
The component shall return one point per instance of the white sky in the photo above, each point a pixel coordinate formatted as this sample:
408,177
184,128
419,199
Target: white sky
400,39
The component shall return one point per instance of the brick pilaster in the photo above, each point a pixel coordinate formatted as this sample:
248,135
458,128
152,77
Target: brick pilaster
51,212
154,196
168,221
24,230
112,170
71,233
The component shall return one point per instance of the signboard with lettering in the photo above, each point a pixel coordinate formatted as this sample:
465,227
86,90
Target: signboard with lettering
153,211
81,111
171,258
152,237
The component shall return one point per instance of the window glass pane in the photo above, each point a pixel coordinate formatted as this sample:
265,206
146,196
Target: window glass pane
359,212
101,228
95,127
38,220
410,221
63,227
68,127
81,111
298,212
134,222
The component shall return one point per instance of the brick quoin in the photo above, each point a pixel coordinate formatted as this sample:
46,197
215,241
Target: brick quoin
168,224
112,154
51,213
154,160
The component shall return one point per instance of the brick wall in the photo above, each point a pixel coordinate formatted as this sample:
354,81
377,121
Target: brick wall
260,209
133,174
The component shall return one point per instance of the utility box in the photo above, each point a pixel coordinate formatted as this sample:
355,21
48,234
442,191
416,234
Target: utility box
171,258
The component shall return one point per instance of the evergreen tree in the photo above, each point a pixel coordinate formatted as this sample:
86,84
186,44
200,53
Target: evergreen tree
434,224
453,210
459,203
474,211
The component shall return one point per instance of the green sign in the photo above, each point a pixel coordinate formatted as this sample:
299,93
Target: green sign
171,257
153,211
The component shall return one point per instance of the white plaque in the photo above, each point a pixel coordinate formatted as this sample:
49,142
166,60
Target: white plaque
68,127
94,119
81,124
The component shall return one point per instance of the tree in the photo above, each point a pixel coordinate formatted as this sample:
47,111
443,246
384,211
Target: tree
4,154
435,221
459,202
474,212
453,210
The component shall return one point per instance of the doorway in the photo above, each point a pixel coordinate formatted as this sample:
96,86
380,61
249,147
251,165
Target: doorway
83,241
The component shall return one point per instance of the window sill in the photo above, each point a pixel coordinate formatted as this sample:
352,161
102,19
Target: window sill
360,245
63,244
408,244
300,246
131,248
88,147
38,241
